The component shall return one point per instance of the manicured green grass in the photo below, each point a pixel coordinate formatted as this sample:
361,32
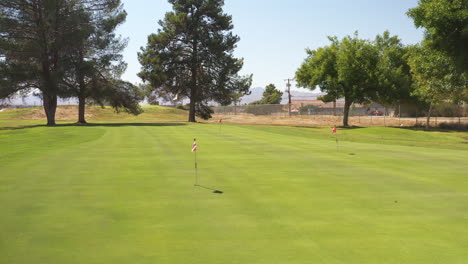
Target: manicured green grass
124,194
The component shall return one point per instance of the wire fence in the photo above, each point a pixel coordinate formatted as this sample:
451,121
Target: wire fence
359,115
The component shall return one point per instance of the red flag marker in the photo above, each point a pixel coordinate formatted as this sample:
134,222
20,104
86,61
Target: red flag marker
194,147
220,121
336,136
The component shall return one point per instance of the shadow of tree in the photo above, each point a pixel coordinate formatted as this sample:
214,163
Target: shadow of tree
97,125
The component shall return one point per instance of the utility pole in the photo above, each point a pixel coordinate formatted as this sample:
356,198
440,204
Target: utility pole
289,94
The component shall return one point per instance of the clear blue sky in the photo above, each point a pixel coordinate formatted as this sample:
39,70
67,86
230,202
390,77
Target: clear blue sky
275,33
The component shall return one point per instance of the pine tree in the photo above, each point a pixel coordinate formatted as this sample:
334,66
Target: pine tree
35,36
192,55
96,59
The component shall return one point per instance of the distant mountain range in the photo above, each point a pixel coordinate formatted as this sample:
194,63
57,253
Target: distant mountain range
257,94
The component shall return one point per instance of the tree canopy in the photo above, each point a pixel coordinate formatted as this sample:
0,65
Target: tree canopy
96,63
191,55
392,72
270,96
343,69
446,24
35,37
359,71
435,78
62,48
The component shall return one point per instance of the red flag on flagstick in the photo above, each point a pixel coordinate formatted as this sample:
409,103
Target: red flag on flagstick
220,121
334,130
194,147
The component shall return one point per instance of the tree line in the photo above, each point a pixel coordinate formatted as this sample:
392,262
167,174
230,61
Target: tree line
69,48
65,48
386,71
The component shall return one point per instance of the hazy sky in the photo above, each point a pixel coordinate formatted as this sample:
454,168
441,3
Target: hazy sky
275,33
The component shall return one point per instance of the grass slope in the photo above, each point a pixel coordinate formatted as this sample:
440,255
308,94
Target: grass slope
124,193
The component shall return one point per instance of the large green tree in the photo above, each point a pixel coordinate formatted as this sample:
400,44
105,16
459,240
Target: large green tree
192,55
359,71
64,48
35,36
446,24
95,61
435,78
270,96
343,69
392,72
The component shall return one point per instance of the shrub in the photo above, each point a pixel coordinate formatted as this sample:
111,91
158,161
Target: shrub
454,126
448,110
181,107
203,111
264,109
306,109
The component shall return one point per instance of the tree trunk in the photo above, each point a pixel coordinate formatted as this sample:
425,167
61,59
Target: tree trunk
346,112
429,117
81,109
192,108
82,90
334,107
193,96
193,89
385,117
50,107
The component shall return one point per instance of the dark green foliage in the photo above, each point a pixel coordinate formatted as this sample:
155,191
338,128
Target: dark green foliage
192,55
392,72
96,58
454,126
204,112
270,96
120,95
360,71
435,77
446,24
342,69
63,48
35,37
180,106
327,98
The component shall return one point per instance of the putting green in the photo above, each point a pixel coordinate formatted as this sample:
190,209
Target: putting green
125,194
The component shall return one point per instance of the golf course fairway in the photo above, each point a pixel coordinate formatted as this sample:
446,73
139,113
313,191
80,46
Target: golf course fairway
124,193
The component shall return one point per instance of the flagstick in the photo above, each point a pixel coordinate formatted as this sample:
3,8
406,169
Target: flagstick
196,170
194,149
336,138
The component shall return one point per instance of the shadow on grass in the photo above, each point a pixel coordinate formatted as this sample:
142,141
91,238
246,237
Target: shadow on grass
321,127
97,125
124,124
208,188
435,129
349,127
